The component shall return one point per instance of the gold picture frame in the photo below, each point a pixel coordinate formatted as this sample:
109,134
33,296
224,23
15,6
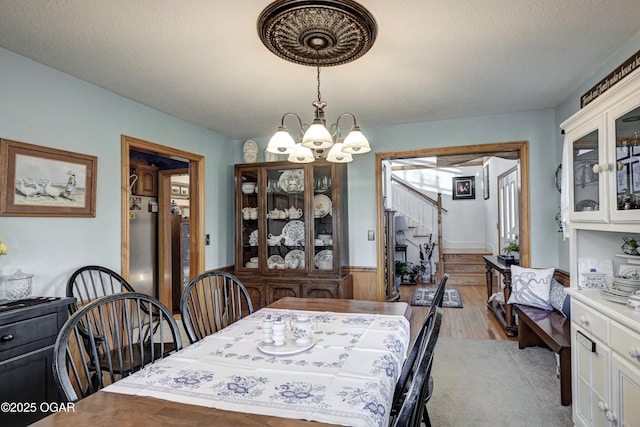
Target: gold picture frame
43,181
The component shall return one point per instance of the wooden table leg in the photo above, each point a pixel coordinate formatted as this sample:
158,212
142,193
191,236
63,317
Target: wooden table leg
489,281
510,329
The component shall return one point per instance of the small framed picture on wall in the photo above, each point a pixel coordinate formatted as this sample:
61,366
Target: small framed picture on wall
485,181
464,187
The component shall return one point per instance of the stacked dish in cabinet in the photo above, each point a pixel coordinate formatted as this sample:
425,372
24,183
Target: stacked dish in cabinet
299,231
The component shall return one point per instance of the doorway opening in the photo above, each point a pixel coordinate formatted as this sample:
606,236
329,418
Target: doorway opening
165,190
447,156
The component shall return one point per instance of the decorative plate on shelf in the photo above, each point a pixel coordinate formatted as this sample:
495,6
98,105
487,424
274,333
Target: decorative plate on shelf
275,261
293,232
293,256
321,205
629,271
613,297
586,205
292,181
324,259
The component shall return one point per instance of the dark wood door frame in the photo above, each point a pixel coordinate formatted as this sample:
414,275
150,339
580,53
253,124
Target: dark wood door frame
518,149
196,212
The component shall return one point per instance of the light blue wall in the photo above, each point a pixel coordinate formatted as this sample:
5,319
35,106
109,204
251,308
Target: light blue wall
45,107
535,127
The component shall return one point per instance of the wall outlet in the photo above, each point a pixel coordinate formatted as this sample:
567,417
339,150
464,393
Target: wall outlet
207,240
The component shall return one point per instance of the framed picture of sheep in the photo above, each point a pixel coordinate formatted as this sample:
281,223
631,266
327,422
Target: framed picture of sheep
43,181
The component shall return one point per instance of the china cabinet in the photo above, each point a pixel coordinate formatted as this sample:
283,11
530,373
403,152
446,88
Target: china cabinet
604,194
604,150
291,230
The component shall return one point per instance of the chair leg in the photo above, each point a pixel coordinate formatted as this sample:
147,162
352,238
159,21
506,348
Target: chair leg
425,417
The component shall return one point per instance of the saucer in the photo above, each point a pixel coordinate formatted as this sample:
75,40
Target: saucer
290,347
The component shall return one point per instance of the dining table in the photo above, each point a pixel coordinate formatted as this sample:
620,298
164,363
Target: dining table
347,377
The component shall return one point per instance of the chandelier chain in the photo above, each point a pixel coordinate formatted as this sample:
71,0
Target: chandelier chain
319,98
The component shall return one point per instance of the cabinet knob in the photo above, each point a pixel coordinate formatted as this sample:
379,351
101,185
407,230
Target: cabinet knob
602,406
600,167
610,415
635,353
584,320
6,338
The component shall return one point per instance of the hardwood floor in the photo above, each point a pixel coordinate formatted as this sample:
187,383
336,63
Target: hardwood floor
473,321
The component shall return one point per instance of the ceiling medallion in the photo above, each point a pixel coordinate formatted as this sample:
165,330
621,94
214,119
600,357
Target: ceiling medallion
318,33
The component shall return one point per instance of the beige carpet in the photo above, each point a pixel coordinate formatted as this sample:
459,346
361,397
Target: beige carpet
493,383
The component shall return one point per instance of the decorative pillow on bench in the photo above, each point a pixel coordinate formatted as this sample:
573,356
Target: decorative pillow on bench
559,298
531,286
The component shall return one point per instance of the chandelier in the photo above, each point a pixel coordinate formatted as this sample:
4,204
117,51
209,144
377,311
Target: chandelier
318,33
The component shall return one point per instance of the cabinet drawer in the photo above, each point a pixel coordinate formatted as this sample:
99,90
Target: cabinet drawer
626,343
15,334
588,320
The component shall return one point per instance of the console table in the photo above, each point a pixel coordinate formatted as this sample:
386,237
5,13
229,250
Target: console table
27,334
504,313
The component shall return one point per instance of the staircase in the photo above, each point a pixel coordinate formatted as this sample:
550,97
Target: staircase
465,266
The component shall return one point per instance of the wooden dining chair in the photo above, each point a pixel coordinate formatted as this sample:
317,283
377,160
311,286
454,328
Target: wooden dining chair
411,362
212,301
413,410
105,340
93,281
438,297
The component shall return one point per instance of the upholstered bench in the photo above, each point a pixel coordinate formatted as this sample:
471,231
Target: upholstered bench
551,329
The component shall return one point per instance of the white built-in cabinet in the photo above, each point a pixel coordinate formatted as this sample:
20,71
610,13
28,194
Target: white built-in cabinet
604,174
605,362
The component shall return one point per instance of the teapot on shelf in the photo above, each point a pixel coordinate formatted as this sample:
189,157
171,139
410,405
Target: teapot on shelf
277,214
295,213
630,246
274,240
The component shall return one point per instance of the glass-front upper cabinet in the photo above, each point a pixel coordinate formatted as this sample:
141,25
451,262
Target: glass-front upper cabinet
288,219
587,177
323,225
286,228
626,151
248,224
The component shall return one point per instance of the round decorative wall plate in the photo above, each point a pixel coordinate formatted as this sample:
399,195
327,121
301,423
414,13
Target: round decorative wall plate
250,151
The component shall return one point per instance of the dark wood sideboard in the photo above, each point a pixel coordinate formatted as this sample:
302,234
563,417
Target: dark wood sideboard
28,390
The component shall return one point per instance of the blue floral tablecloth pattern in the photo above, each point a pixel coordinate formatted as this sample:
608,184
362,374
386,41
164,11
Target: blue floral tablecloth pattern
347,378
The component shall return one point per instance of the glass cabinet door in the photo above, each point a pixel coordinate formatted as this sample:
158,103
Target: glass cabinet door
323,221
249,219
587,187
625,189
286,230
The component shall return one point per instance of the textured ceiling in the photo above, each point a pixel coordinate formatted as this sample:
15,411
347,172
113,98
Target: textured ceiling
202,60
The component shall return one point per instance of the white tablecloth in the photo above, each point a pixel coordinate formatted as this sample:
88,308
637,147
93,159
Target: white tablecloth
347,378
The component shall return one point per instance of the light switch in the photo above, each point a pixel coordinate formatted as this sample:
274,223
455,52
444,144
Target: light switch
372,235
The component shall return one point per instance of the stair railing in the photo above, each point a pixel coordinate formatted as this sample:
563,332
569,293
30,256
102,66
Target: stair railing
434,203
